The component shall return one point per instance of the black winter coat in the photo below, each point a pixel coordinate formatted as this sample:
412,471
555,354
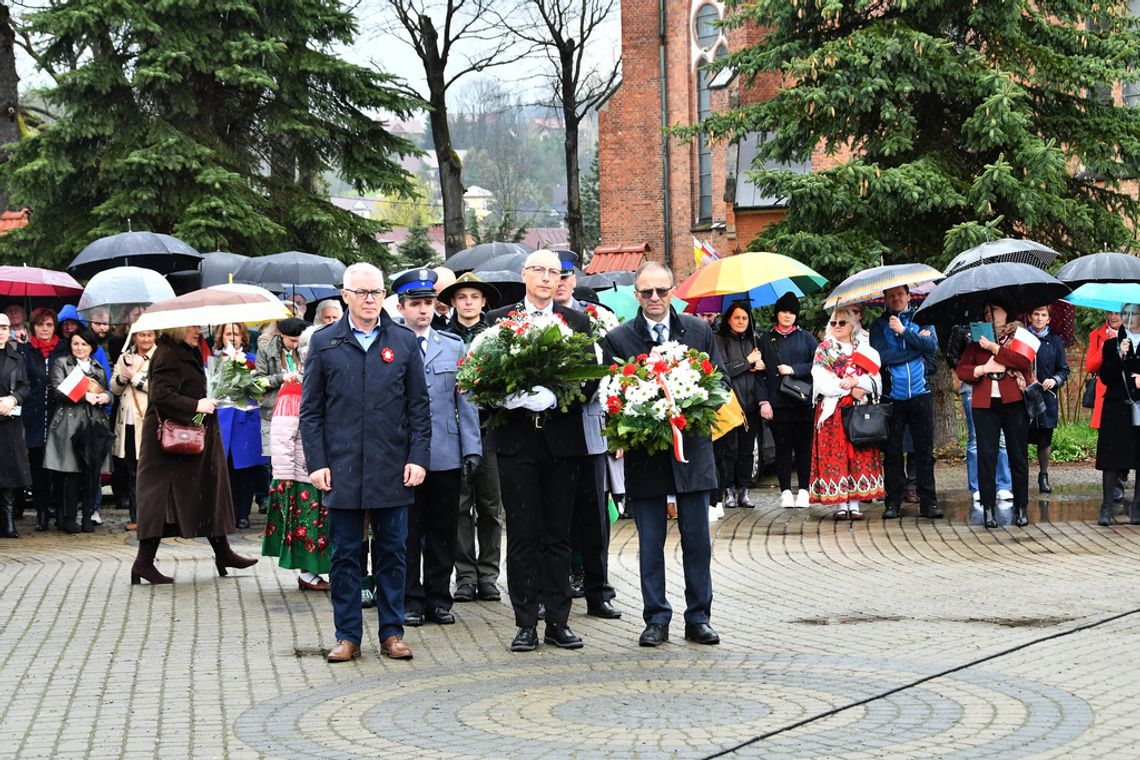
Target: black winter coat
660,474
1051,363
365,415
38,406
734,350
1115,445
797,350
14,469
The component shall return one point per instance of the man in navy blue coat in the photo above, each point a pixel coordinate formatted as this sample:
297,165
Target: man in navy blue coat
366,429
650,478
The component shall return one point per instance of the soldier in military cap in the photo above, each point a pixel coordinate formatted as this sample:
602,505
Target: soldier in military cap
456,453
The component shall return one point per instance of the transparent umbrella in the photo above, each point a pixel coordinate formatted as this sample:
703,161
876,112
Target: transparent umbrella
121,290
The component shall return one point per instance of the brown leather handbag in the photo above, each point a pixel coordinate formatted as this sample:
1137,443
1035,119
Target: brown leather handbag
184,440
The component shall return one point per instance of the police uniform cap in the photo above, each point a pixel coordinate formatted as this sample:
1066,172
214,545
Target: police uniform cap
415,283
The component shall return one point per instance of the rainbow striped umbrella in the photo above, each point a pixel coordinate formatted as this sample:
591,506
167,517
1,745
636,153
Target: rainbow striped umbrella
763,276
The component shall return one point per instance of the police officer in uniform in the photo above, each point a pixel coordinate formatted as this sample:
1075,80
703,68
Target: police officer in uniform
456,449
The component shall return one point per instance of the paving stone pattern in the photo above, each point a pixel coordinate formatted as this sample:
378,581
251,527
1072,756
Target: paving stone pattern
837,641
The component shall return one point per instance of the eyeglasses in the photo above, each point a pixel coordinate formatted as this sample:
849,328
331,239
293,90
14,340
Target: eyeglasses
364,295
552,273
647,293
838,323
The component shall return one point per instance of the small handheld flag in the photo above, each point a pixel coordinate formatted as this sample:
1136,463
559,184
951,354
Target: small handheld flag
867,359
75,385
1024,343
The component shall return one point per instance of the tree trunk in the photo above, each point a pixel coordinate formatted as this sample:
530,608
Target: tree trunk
570,119
450,168
9,89
946,404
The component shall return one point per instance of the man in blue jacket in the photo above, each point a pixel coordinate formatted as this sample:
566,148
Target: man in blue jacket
366,429
902,347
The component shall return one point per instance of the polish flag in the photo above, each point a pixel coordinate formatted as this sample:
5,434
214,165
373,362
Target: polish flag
75,385
1024,343
867,359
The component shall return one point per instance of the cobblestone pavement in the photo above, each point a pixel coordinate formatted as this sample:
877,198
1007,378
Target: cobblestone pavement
913,638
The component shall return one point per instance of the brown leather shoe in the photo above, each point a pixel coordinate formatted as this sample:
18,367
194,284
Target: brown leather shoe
321,585
395,648
344,651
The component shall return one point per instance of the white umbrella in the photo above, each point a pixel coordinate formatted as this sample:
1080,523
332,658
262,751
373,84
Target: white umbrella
120,289
221,304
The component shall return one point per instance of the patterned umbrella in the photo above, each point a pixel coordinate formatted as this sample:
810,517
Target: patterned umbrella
1004,250
870,283
961,296
764,276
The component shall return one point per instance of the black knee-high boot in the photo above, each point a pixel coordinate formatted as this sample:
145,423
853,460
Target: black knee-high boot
7,516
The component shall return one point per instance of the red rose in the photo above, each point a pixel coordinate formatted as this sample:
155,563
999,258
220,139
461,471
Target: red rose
661,367
301,532
679,421
629,369
460,362
706,366
613,368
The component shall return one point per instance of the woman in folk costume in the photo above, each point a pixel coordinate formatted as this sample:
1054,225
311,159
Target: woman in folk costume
296,530
845,372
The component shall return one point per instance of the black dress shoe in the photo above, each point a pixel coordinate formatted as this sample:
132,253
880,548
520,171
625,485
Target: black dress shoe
989,517
892,512
577,584
702,633
489,592
1043,484
439,616
654,635
464,593
933,511
243,523
526,640
603,610
541,611
413,618
560,635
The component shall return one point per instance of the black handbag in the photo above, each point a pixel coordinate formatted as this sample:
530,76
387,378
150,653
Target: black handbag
792,387
1034,394
867,424
1088,400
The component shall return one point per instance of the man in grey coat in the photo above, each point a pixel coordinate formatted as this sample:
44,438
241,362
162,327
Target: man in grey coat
366,430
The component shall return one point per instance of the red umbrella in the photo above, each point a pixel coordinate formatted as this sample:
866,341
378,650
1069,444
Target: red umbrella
35,282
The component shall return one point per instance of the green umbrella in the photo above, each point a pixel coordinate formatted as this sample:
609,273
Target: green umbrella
623,303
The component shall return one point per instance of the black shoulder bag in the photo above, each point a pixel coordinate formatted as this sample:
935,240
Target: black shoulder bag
790,386
867,424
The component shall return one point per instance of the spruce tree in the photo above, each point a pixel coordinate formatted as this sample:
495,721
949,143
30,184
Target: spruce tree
416,250
209,120
952,121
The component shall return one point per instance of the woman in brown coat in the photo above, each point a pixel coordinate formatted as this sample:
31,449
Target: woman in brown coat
181,495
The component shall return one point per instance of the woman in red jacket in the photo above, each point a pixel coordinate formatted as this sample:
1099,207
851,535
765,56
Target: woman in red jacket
998,376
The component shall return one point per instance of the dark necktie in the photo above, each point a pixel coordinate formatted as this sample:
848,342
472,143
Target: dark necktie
659,334
423,345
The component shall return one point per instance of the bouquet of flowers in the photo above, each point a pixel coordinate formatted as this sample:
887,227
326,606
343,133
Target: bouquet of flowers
230,382
524,351
652,398
602,320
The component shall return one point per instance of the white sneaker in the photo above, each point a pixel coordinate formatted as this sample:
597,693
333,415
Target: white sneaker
977,497
803,499
716,512
1005,495
787,501
96,518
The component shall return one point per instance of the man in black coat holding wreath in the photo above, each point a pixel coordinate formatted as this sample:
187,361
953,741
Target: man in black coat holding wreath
650,478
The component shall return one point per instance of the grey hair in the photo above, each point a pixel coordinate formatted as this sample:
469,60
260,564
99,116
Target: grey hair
361,267
303,342
329,303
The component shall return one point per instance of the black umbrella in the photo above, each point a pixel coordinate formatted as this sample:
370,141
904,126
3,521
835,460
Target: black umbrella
218,266
186,281
960,297
1004,250
509,284
466,260
508,262
278,270
150,250
603,280
1100,267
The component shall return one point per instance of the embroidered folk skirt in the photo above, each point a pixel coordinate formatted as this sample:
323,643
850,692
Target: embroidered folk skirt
841,472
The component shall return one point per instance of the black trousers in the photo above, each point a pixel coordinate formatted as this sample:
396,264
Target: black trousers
433,522
590,528
129,466
243,483
538,496
989,424
45,485
918,413
737,448
792,437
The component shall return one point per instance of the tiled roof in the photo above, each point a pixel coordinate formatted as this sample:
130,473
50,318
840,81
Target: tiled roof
12,220
617,258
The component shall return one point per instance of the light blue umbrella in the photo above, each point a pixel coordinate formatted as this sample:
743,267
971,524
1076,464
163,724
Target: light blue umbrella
623,303
1106,296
